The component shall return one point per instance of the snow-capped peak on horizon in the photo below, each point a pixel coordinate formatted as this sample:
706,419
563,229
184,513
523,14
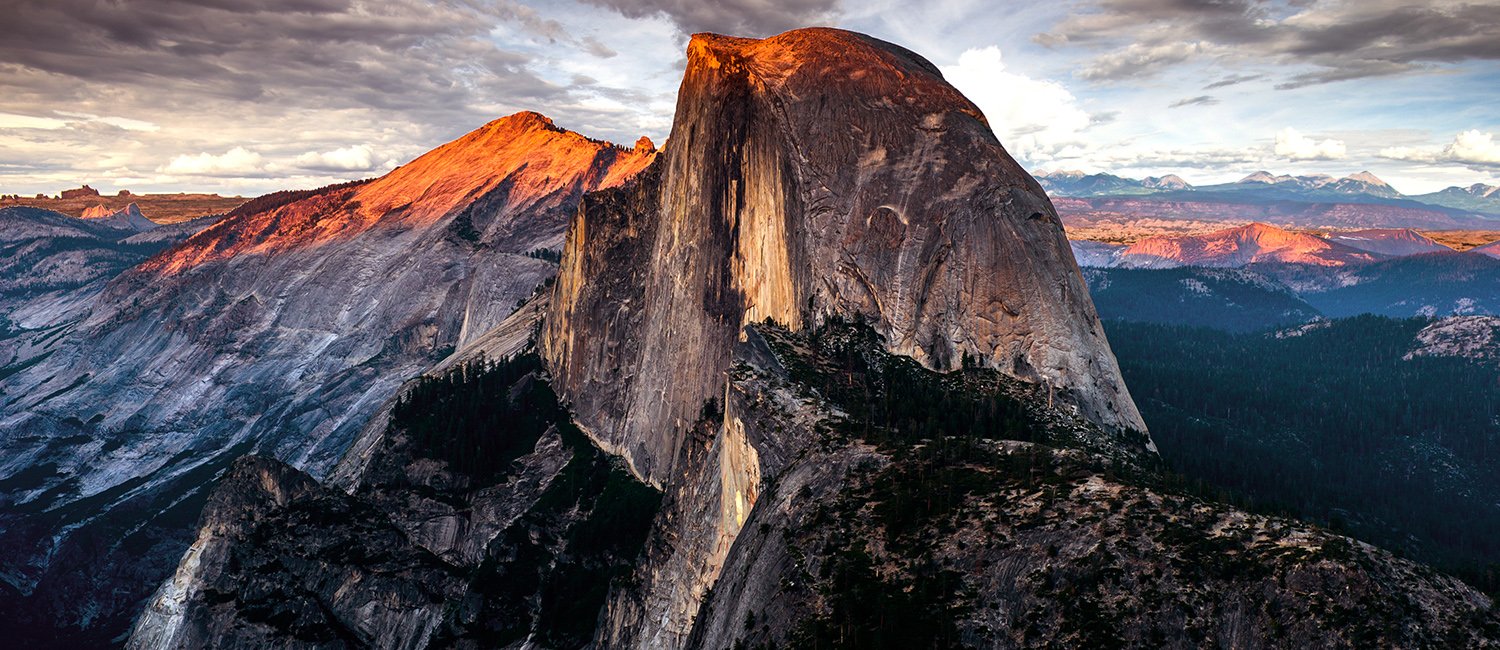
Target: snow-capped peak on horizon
1264,177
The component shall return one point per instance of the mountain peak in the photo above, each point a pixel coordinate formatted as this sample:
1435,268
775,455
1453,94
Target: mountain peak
1479,189
1397,242
1061,173
1262,177
1268,235
1236,247
127,217
537,160
1261,228
1367,177
822,229
521,120
1168,182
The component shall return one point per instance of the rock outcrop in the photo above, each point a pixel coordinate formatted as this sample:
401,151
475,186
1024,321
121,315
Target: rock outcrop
127,217
842,336
1030,534
813,174
279,332
79,193
1466,337
481,518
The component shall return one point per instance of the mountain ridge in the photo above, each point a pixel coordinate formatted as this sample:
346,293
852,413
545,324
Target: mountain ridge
824,371
279,331
1478,203
1233,247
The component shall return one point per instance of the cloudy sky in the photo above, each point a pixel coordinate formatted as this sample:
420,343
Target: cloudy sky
249,96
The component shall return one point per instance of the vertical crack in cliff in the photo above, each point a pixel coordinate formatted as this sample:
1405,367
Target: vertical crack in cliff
813,174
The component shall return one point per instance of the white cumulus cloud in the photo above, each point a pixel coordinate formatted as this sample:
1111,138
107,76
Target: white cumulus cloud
235,162
353,158
1035,119
1294,146
1474,148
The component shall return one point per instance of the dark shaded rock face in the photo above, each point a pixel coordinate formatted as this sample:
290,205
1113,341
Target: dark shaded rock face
482,519
838,496
1026,534
816,173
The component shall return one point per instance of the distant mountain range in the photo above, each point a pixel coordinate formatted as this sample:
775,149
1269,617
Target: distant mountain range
1307,200
1391,272
1257,243
1265,185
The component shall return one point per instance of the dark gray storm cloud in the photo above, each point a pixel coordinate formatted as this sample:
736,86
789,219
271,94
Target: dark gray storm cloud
736,17
1338,40
293,81
401,54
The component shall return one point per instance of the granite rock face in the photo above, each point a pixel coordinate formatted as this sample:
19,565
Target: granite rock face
129,217
278,331
837,496
1043,532
427,547
816,173
860,371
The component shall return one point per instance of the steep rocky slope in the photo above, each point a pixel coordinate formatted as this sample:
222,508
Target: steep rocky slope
1395,242
838,496
1030,534
277,331
811,406
903,209
482,518
52,265
129,217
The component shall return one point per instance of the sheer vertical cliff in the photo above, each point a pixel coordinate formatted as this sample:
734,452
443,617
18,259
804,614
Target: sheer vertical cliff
816,173
930,446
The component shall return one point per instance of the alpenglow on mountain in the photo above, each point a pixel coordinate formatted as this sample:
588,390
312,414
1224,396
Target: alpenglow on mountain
823,372
278,330
793,385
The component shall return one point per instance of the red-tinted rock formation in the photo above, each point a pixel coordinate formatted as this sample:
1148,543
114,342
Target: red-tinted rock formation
539,162
815,174
80,193
1235,247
